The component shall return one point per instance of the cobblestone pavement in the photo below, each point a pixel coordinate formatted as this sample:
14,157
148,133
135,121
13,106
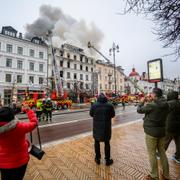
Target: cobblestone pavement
74,160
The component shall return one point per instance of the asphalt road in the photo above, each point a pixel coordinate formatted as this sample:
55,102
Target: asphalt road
67,125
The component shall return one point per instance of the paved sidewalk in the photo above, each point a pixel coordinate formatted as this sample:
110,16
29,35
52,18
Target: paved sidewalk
74,159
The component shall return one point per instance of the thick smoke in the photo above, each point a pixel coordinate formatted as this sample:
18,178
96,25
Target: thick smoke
65,28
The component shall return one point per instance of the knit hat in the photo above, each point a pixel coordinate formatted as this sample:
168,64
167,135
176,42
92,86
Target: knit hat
172,95
158,92
6,114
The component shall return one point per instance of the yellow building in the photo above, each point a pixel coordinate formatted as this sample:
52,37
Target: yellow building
106,80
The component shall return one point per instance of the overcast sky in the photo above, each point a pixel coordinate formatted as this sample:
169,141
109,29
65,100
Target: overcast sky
132,33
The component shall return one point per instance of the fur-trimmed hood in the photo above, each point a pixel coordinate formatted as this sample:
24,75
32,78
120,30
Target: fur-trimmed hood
5,127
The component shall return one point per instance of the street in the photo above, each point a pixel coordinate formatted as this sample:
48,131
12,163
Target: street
71,124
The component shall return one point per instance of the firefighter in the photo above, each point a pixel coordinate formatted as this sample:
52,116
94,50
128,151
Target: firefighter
39,109
49,107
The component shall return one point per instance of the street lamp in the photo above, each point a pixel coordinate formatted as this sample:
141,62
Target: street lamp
115,48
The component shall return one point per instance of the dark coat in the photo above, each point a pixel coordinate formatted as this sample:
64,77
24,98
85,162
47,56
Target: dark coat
173,118
102,112
155,117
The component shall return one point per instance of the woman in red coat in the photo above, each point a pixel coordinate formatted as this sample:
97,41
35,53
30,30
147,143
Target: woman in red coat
14,154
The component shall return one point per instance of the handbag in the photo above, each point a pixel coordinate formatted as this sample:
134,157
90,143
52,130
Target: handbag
36,151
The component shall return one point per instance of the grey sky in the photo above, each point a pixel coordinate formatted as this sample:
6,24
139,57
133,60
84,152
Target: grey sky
132,33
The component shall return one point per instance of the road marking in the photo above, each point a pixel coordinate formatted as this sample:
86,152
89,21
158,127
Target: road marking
78,120
83,135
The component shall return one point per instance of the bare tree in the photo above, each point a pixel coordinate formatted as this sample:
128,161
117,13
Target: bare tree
166,16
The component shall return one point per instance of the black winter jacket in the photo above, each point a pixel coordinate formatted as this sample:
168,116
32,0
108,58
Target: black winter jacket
155,117
102,112
173,118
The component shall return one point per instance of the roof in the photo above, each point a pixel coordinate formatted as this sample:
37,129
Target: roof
9,28
133,73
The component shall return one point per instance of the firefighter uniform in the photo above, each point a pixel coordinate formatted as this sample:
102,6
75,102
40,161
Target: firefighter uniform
39,109
49,107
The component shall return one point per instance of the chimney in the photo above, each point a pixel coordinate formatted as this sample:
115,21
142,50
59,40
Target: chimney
20,35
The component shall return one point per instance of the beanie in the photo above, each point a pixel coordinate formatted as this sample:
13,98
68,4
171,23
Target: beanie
158,92
172,95
6,114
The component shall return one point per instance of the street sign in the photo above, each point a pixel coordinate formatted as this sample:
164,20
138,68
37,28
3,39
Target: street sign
155,70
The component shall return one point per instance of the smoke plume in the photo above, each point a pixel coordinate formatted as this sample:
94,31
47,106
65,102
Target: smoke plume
65,28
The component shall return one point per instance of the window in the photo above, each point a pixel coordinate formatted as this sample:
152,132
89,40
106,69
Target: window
40,67
36,41
19,78
9,48
81,76
68,64
105,86
0,46
8,62
61,63
81,58
91,61
20,50
31,66
112,87
68,75
100,86
8,77
105,78
31,52
86,60
41,80
91,69
87,86
61,73
75,76
41,55
31,79
87,78
68,55
19,64
68,85
61,53
81,67
86,68
7,96
10,33
81,85
75,57
75,66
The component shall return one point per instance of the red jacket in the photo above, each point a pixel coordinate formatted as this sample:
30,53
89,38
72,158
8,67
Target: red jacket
13,143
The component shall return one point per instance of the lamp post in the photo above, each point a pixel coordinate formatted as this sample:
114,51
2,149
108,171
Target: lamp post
113,50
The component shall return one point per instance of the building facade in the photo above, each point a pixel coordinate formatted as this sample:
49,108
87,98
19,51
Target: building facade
23,65
106,81
76,69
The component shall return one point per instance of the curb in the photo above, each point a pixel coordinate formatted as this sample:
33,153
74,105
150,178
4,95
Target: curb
59,113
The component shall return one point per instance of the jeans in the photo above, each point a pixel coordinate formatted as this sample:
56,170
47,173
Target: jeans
13,174
157,145
169,137
106,149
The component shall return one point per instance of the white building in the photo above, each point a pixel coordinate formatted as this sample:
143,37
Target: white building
76,69
140,83
23,64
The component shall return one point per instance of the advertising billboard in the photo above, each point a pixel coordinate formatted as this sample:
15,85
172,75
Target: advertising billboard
155,70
